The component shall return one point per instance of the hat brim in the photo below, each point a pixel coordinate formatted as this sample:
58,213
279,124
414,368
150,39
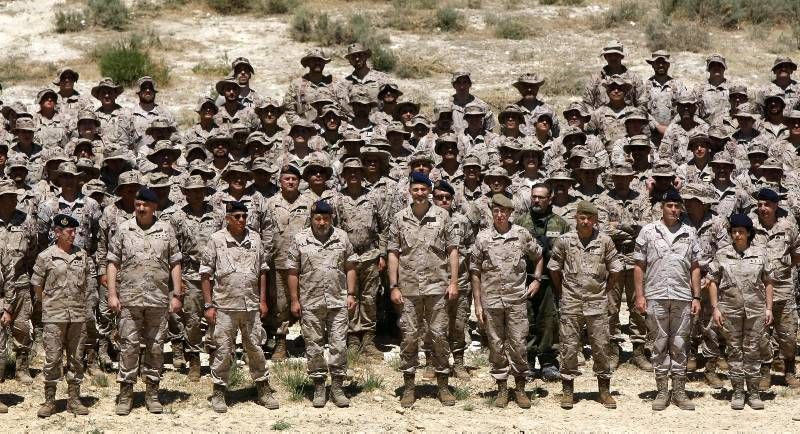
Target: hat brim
328,170
304,60
626,173
653,60
519,83
366,51
49,92
487,177
791,64
57,81
222,84
96,90
612,51
175,153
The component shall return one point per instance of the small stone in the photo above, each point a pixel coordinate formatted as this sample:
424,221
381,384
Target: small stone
377,398
400,410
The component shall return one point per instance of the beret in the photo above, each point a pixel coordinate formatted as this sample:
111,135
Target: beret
146,195
768,194
741,221
65,221
235,206
419,178
321,207
499,199
444,186
586,207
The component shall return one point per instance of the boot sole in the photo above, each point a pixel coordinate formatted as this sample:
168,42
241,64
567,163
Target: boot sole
567,406
737,407
220,411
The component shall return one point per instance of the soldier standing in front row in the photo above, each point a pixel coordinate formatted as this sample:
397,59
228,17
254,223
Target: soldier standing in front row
60,281
498,274
236,262
322,285
584,266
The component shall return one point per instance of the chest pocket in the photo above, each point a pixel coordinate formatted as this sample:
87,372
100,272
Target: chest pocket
236,259
150,250
15,242
322,258
506,255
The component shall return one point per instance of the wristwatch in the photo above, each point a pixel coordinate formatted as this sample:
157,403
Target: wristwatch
537,278
394,286
208,306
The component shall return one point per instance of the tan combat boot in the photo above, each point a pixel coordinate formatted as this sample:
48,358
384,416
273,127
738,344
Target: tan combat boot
74,404
662,396
92,367
337,392
194,367
445,396
102,353
368,347
711,374
125,399
519,393
407,400
679,397
722,364
753,396
3,408
790,375
429,373
502,394
279,354
49,406
765,380
265,397
218,399
151,398
459,371
353,343
691,363
320,393
604,385
178,358
737,399
2,365
639,358
23,373
567,391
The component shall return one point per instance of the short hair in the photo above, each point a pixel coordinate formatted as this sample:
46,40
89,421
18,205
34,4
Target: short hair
543,185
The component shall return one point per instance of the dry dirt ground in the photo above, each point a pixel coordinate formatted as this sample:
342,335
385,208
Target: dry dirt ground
564,46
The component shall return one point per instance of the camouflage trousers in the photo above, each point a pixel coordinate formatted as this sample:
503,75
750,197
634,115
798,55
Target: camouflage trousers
783,331
704,339
570,332
279,317
187,325
636,322
506,329
543,339
669,323
458,312
745,338
106,319
141,326
416,311
20,328
316,324
223,333
364,316
60,338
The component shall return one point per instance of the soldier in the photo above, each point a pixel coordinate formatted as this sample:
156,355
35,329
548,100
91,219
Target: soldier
594,96
782,68
19,238
584,265
322,284
730,198
608,120
148,110
697,168
269,111
462,83
60,280
448,168
667,279
660,90
713,94
143,257
232,113
296,100
776,232
498,277
69,101
116,122
236,261
52,126
741,298
289,211
528,86
475,139
24,146
363,78
772,125
206,126
423,275
243,71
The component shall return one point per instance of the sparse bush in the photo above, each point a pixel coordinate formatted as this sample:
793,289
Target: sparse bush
414,4
127,60
302,25
731,13
292,375
278,7
68,22
231,7
511,29
415,66
676,36
383,59
469,407
100,380
461,392
370,381
474,4
111,14
220,68
19,68
281,425
621,13
448,19
561,2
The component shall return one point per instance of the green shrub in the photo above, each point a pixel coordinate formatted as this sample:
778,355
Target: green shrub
414,4
673,35
292,375
474,4
278,7
369,381
230,7
621,13
127,60
511,29
281,425
561,2
302,26
731,13
383,59
448,19
415,66
70,21
19,68
111,14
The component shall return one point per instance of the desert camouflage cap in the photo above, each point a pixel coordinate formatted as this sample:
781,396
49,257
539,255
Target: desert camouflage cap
586,207
302,123
357,47
351,136
330,109
242,61
235,167
160,123
94,186
201,167
389,87
613,47
420,120
577,106
737,88
314,53
573,131
421,155
164,146
771,163
701,191
361,98
716,58
512,143
637,114
107,83
698,136
474,109
131,177
397,127
618,80
746,110
501,200
159,180
531,146
774,92
791,114
660,54
685,97
560,175
718,132
226,83
24,124
264,102
374,151
784,60
440,108
622,169
261,164
65,70
203,101
458,74
146,80
57,157
663,169
7,186
17,161
723,158
407,104
68,168
193,182
17,108
471,160
496,172
87,166
589,163
45,92
578,151
88,115
511,110
318,159
352,163
757,149
528,78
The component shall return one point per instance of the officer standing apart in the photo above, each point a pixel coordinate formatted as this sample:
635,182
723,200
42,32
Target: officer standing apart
237,263
584,265
60,281
143,258
322,286
423,276
667,280
498,274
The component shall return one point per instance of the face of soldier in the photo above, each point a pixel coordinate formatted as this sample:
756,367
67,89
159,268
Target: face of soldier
300,136
389,97
269,116
756,160
407,114
164,160
716,71
147,94
449,152
586,177
352,177
694,207
736,99
331,122
671,211
231,93
194,196
443,199
774,106
48,103
357,60
540,199
772,175
128,191
783,71
585,223
474,122
315,65
472,173
686,111
613,59
445,122
219,149
8,202
421,167
256,149
394,138
511,123
320,224
145,211
634,127
722,172
660,67
616,93
372,164
766,210
794,127
420,130
66,84
500,215
316,177
622,183
289,182
65,235
236,222
207,111
83,151
561,188
3,158
68,183
107,98
530,162
543,126
529,91
25,137
462,85
87,129
575,119
243,75
740,237
496,184
419,192
237,181
18,175
700,150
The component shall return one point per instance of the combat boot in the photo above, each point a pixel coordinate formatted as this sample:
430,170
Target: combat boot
194,367
662,396
337,392
3,408
567,390
613,355
502,394
218,399
279,354
92,368
320,397
445,396
151,398
459,371
604,386
519,393
679,397
737,399
711,374
49,406
790,375
722,364
753,396
765,379
74,404
23,373
265,397
2,366
353,344
125,399
178,358
102,352
368,347
691,364
407,400
777,364
639,358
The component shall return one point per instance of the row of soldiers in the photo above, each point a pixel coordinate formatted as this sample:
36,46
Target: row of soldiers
352,144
